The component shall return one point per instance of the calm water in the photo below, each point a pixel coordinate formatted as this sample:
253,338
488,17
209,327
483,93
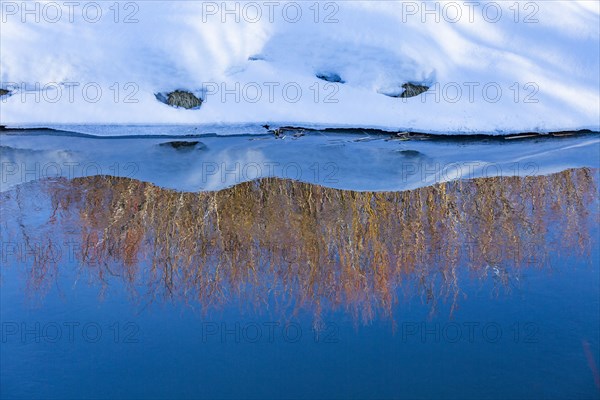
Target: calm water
484,288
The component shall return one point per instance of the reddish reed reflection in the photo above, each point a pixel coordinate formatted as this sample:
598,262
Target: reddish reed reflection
307,247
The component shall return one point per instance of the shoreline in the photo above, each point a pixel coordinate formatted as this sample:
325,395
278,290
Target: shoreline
281,130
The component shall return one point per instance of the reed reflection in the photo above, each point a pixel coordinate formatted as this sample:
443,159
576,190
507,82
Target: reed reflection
301,246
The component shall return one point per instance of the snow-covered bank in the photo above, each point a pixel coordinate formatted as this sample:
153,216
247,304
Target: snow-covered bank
492,67
344,161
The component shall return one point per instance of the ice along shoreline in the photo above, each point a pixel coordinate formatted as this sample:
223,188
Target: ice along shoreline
361,160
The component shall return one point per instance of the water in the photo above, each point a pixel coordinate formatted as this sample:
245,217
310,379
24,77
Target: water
478,288
353,161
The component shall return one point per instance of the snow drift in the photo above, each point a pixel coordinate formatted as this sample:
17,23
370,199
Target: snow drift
492,67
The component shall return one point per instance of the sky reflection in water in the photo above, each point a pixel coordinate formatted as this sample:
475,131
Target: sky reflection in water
279,288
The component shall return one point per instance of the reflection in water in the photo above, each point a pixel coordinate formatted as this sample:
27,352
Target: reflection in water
298,245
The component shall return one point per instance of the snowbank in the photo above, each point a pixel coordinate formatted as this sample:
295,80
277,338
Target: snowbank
492,67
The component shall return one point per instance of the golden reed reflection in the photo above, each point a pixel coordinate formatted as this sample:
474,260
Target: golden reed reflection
308,247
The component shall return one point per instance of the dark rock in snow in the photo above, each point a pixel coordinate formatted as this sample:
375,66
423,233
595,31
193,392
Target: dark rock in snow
180,98
412,90
330,77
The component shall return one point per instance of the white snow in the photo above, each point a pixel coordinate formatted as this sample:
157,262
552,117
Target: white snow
544,56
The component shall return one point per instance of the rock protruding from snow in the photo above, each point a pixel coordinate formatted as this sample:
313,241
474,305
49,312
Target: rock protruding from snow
180,98
408,89
412,90
330,77
4,92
